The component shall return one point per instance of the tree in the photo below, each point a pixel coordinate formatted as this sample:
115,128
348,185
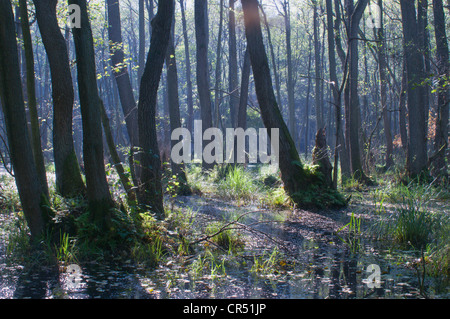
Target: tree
382,66
304,187
150,189
233,83
318,97
120,71
178,169
31,96
340,149
31,192
189,94
290,79
416,161
99,198
353,116
202,39
439,166
67,169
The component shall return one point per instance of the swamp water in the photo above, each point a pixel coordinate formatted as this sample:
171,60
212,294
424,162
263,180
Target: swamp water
281,259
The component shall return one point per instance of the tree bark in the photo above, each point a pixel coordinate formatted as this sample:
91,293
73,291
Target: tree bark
31,93
382,65
416,162
296,179
290,75
179,170
99,198
120,71
141,39
189,94
150,189
67,170
318,97
353,113
202,39
233,84
31,191
439,167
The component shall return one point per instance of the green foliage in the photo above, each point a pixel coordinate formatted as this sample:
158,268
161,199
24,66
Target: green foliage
238,184
227,239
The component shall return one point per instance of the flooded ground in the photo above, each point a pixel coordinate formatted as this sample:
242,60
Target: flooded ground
297,254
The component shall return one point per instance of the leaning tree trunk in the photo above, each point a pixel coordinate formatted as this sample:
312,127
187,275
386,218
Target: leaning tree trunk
67,170
304,187
99,198
150,189
120,71
31,192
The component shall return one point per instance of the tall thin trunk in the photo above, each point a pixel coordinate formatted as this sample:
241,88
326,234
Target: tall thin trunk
141,39
150,189
217,79
318,96
416,162
31,191
382,63
99,198
272,55
202,39
189,94
340,149
233,82
439,167
31,93
179,170
290,76
67,170
308,91
120,71
354,116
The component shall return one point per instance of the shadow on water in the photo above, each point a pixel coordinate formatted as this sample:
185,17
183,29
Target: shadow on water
306,263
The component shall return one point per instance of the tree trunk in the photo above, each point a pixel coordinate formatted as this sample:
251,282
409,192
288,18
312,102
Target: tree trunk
382,64
31,192
290,79
99,198
318,97
67,169
31,93
439,167
353,113
233,84
202,39
150,189
416,162
217,95
178,170
272,55
189,94
141,39
297,181
120,71
115,158
340,148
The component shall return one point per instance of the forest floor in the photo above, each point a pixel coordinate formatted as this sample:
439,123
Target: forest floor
247,241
